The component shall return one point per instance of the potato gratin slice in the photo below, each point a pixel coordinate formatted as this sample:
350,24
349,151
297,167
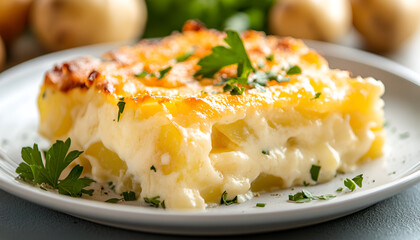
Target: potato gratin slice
147,122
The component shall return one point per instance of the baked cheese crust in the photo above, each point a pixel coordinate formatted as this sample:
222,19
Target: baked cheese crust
200,140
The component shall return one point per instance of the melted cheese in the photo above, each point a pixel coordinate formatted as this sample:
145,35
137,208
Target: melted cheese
203,144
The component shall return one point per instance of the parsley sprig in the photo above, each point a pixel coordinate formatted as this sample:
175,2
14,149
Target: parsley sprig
127,196
351,183
57,159
155,202
306,196
246,74
223,199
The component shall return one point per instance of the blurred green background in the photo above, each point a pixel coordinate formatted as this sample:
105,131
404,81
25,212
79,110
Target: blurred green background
165,16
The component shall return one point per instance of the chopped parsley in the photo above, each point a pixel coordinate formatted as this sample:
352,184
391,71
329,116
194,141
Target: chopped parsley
305,183
339,189
306,196
317,95
270,57
235,54
127,196
184,57
294,70
121,106
57,159
260,205
223,199
113,200
358,180
265,152
163,72
155,202
350,184
153,168
315,172
144,74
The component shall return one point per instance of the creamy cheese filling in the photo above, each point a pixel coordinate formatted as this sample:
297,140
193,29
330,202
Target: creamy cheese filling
255,150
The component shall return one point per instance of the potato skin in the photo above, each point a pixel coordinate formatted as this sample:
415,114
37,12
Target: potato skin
61,24
327,20
386,24
13,18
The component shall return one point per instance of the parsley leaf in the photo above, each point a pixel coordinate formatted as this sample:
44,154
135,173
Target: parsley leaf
349,184
358,180
223,199
113,200
306,196
315,172
270,57
260,205
163,72
265,152
57,159
294,70
121,106
339,189
155,202
129,196
316,96
222,56
153,168
184,57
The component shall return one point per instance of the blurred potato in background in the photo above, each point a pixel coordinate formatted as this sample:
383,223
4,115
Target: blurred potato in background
61,24
13,18
386,24
324,20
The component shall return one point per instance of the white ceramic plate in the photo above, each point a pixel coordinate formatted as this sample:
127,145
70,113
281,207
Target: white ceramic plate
391,174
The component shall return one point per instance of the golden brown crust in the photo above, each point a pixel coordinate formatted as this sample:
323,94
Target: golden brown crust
121,66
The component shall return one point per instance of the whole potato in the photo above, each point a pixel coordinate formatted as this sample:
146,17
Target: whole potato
386,24
61,24
13,18
2,54
326,20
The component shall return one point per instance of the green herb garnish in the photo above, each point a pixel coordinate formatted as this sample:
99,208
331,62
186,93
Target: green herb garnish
113,200
142,74
127,196
184,57
358,180
155,202
222,56
294,70
153,168
306,196
315,172
270,57
339,189
34,171
260,205
121,106
163,72
350,184
317,95
223,199
265,152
